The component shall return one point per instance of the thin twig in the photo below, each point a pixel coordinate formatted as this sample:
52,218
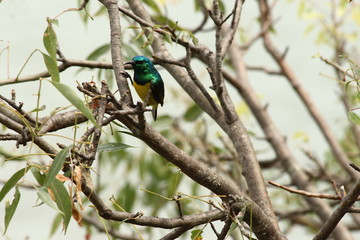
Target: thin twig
305,193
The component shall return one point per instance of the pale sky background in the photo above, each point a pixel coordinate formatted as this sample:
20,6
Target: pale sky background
22,23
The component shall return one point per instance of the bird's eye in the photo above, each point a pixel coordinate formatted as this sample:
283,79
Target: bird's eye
140,62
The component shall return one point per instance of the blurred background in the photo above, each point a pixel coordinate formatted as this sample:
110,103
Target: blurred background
22,24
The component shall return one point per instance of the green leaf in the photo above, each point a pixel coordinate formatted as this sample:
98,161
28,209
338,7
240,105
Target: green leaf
50,41
193,113
347,87
71,96
129,197
99,52
10,208
62,200
56,166
153,5
7,156
39,109
163,20
51,67
358,97
150,39
40,178
46,198
353,117
11,182
112,147
196,234
56,224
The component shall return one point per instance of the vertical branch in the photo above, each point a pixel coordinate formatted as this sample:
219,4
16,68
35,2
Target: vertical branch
237,132
116,48
99,120
216,66
230,33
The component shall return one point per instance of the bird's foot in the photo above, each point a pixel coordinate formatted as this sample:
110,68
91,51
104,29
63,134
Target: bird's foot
132,105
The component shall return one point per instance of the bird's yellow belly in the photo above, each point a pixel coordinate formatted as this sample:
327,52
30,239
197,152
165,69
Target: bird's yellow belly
142,91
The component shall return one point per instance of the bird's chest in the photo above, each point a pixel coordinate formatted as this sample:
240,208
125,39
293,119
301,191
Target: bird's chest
143,90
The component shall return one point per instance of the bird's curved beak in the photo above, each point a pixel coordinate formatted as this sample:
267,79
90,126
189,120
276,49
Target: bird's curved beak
129,62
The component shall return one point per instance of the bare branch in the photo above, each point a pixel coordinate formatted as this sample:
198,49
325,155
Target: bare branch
307,194
339,212
99,226
177,232
116,48
230,32
337,150
275,138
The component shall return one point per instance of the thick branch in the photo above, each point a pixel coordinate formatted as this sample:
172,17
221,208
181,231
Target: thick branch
275,138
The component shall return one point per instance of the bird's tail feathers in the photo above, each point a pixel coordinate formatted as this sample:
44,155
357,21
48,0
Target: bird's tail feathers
154,112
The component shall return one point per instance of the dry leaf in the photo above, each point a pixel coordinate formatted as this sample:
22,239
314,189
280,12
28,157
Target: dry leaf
62,178
77,215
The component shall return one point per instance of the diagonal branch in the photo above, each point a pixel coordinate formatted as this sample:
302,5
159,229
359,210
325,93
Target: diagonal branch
275,138
339,212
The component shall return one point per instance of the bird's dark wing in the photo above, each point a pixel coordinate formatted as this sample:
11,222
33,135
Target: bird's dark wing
158,91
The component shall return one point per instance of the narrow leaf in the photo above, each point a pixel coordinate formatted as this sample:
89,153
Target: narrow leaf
99,52
46,198
71,96
193,113
63,201
112,147
56,166
10,208
42,108
51,67
56,224
40,178
347,87
129,197
353,117
50,41
11,182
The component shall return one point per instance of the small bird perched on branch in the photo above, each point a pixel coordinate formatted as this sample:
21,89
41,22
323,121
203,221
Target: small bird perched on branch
147,83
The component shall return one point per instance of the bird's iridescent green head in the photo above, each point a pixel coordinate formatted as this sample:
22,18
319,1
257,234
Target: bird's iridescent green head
141,64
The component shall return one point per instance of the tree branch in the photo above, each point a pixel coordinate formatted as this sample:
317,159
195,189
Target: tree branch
116,48
340,211
336,149
307,194
275,138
